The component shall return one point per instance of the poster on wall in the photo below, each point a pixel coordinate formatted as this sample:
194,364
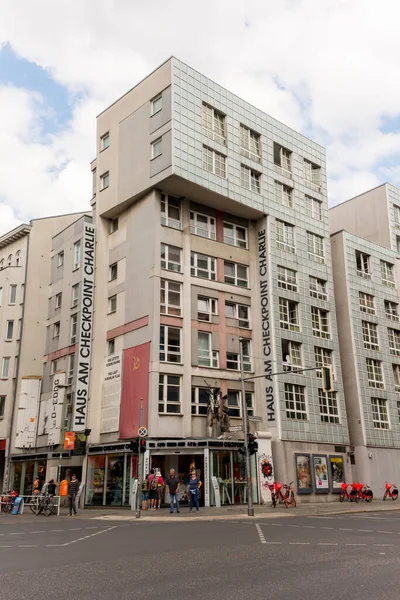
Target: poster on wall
337,473
135,387
111,399
266,476
303,473
320,469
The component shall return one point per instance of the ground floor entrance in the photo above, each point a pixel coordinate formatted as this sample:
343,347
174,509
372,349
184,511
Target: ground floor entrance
24,473
109,478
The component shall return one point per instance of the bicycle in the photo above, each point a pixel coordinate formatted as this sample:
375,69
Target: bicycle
391,491
46,506
289,497
34,503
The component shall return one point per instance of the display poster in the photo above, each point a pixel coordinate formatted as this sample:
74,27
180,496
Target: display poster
55,418
321,479
217,494
337,473
135,387
266,476
111,400
303,473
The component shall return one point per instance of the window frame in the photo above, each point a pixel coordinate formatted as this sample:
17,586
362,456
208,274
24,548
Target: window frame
211,158
317,318
77,255
195,403
390,314
293,365
212,357
167,261
154,110
370,335
396,376
237,281
209,229
104,180
110,346
328,407
156,143
375,373
234,359
58,300
5,373
320,292
167,204
364,267
3,400
323,359
113,225
9,329
56,329
12,288
71,368
312,173
285,309
216,125
165,289
164,384
387,274
394,336
366,303
295,402
103,141
377,406
212,306
60,259
250,143
236,309
165,353
315,243
74,300
112,304
288,241
286,278
211,266
73,331
113,272
238,243
250,179
283,194
314,208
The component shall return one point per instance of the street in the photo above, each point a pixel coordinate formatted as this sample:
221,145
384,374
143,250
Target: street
89,558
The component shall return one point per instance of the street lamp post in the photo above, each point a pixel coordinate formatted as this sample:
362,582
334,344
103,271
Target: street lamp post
245,418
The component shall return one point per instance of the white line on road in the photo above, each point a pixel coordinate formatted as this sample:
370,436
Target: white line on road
27,546
308,526
384,531
273,543
277,524
299,543
293,525
91,527
19,533
75,529
384,545
327,544
326,528
344,529
355,544
260,534
40,531
5,546
53,530
90,535
366,530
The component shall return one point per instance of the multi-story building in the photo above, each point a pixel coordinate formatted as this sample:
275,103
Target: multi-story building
365,250
212,227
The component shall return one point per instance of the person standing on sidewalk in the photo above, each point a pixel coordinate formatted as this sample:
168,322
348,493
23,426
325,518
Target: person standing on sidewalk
194,486
172,486
72,493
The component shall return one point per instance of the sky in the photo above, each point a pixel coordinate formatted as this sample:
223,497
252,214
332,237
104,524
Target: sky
328,68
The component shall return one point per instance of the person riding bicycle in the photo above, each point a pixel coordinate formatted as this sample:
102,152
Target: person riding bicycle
51,488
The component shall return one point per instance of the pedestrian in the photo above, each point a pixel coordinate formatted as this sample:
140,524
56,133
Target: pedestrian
172,487
51,488
160,489
152,487
194,486
145,492
73,488
36,486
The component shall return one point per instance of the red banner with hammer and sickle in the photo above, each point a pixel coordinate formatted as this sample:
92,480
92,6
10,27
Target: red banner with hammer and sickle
135,385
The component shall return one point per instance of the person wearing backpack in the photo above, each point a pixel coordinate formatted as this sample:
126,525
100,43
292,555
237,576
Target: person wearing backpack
152,485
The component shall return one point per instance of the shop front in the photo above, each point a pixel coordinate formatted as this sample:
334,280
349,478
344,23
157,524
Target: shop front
109,473
24,471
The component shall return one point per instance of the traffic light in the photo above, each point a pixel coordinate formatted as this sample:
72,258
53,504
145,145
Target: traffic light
327,379
252,444
142,445
134,445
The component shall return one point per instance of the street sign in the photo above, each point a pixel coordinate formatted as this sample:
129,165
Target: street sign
235,428
142,432
256,419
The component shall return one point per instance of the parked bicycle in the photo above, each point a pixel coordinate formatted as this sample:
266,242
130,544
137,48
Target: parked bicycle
391,491
7,502
289,497
282,493
46,505
364,492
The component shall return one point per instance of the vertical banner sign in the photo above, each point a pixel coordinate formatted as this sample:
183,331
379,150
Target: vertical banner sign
56,409
135,385
28,408
85,330
69,440
206,477
111,399
266,322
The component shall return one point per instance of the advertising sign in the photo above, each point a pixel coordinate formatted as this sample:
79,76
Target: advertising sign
337,473
56,404
135,386
85,330
320,468
217,494
303,473
266,476
111,400
69,440
28,405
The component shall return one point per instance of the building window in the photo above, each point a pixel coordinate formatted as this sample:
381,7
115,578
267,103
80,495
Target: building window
171,258
392,310
250,179
171,211
22,293
170,344
206,356
202,266
2,406
53,367
328,407
282,158
362,262
323,358
320,322
206,308
200,398
75,294
235,403
170,298
396,377
318,288
113,225
315,246
202,225
71,368
169,394
380,417
287,279
398,244
18,258
104,180
2,264
394,341
5,367
214,162
295,402
113,272
77,255
74,328
19,329
236,274
9,260
156,148
214,124
367,303
288,315
60,259
235,235
283,194
233,358
9,331
58,300
111,347
112,304
370,335
375,376
12,298
291,355
156,104
241,312
250,143
285,236
312,173
314,208
56,329
105,140
396,213
387,274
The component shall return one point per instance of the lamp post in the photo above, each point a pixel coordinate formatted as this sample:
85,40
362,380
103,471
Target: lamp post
245,418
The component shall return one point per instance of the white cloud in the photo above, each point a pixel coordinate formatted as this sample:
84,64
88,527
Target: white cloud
329,66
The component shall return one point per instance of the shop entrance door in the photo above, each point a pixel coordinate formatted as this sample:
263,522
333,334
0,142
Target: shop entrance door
183,464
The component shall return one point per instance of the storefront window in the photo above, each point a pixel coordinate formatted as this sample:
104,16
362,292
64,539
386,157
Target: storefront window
108,480
41,472
28,480
17,477
95,480
114,479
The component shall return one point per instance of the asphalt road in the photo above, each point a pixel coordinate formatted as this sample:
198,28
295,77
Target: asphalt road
354,556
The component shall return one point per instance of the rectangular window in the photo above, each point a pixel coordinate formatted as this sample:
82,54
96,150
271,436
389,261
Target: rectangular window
5,367
282,158
214,162
54,367
113,274
2,406
250,179
170,298
60,259
169,394
380,417
206,308
74,328
105,140
111,347
295,402
75,295
206,356
236,274
56,329
396,214
328,407
235,403
214,124
202,266
156,148
370,335
398,244
171,258
288,315
200,398
375,376
285,236
233,358
250,143
283,194
387,274
287,279
320,322
112,304
77,255
171,211
312,173
156,104
318,288
323,358
58,300
104,180
291,355
170,344
394,341
12,298
314,208
9,331
71,368
396,377
202,225
113,225
315,246
367,303
241,312
363,267
235,235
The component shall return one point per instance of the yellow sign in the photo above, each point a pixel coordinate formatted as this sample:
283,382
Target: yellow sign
136,363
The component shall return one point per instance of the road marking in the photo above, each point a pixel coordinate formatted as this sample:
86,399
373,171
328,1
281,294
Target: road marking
355,544
27,546
299,543
91,527
366,530
384,545
344,529
260,534
19,533
90,535
326,544
384,531
53,530
272,543
326,527
75,529
293,525
277,524
5,546
308,526
40,531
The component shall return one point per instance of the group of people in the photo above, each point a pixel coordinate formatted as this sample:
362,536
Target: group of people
153,490
50,489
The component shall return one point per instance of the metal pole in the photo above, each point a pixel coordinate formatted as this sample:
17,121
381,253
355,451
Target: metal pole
140,468
245,418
